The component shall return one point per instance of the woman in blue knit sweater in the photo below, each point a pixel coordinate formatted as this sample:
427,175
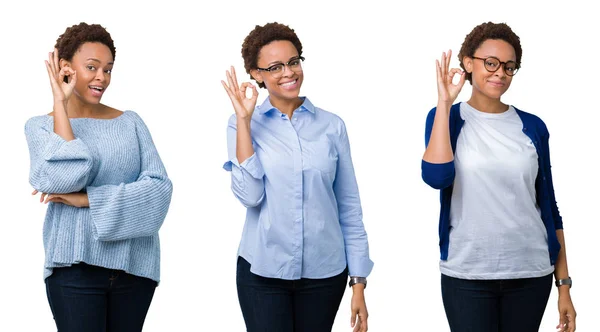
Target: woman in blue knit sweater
106,188
501,236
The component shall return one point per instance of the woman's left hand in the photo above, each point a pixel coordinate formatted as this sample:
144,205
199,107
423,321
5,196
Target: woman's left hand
72,199
359,315
567,314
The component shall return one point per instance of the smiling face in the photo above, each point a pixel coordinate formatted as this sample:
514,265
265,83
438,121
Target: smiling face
490,84
93,63
284,86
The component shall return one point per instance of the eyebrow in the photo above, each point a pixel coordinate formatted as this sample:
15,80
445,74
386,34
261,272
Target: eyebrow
290,59
94,59
495,57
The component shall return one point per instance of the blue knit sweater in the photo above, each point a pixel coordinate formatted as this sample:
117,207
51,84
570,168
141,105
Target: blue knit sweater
116,163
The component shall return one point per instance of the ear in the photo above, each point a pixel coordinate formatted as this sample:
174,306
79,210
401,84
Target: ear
257,75
468,63
64,63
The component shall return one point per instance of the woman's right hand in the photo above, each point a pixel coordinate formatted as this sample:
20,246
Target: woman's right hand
60,90
448,91
244,106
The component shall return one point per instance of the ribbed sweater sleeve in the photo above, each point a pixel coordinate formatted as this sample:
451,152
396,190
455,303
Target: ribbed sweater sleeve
56,166
137,209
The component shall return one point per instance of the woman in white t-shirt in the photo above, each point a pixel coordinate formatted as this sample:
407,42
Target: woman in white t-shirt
501,236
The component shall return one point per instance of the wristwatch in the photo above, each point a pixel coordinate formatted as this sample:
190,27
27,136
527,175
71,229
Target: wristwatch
357,280
562,282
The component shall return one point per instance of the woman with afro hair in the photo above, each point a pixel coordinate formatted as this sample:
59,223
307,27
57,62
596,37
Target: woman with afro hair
291,168
501,236
106,188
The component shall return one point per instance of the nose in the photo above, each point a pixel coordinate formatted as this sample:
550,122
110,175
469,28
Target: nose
500,72
287,71
100,76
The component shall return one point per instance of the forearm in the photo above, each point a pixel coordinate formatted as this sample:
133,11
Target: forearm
62,125
561,270
244,148
439,149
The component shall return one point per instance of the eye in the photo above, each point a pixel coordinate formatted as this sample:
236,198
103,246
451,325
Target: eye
90,67
276,68
108,71
491,63
295,62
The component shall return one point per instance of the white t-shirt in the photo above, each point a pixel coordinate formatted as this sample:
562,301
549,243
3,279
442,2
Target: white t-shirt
496,228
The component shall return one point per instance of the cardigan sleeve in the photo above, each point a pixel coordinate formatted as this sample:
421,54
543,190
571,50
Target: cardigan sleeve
57,166
438,176
137,209
558,224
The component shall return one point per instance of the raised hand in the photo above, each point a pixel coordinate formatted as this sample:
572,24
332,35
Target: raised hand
60,90
244,106
448,91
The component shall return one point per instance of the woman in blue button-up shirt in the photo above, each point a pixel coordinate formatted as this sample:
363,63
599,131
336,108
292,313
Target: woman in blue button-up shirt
291,168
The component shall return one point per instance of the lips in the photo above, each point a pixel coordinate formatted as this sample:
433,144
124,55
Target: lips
291,85
96,90
496,84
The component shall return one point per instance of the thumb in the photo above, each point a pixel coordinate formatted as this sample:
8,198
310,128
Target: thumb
73,78
463,77
353,318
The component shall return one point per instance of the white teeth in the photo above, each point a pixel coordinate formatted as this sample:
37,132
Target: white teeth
96,88
288,83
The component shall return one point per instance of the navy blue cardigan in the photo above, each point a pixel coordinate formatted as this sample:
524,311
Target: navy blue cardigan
441,176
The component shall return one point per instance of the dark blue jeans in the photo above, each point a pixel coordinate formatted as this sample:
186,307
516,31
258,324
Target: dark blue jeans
305,305
510,305
87,298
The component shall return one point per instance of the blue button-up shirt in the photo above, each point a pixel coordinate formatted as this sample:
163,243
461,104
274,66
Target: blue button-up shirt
304,217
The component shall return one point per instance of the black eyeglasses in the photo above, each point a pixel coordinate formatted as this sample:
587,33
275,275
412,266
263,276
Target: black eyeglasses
492,64
276,70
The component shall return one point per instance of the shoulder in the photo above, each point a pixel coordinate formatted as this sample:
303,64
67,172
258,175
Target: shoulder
333,121
130,116
328,116
532,121
37,122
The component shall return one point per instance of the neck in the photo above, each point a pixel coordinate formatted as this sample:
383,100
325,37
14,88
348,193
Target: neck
77,108
486,104
286,106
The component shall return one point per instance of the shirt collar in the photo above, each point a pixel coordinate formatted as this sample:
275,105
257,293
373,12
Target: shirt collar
267,107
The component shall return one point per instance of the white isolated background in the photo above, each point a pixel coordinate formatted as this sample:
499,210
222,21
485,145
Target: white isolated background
372,63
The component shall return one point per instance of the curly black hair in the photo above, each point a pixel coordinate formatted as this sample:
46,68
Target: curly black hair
69,42
486,31
263,35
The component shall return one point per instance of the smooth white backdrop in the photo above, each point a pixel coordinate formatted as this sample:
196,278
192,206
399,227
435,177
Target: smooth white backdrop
372,63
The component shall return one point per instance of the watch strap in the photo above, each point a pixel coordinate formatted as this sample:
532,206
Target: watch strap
562,282
357,280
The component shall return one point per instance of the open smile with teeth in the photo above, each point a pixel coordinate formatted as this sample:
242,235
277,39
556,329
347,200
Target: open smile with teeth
97,88
288,83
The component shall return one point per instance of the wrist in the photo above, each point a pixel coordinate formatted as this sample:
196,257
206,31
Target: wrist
60,105
444,106
358,289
